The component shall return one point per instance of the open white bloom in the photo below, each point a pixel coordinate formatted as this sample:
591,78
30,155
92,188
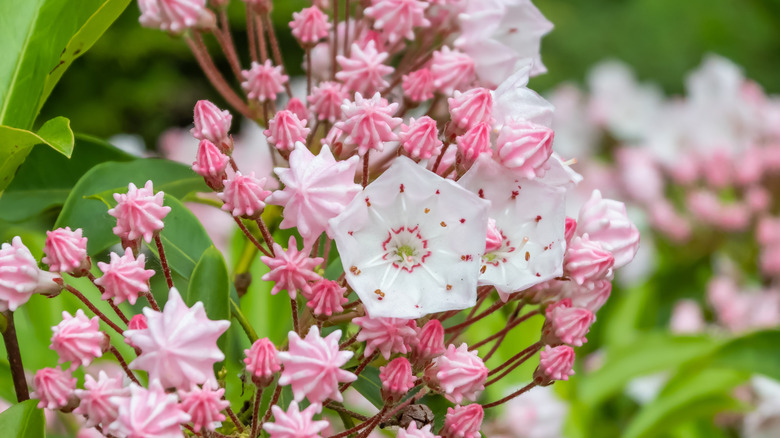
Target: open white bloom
497,34
411,243
514,100
530,217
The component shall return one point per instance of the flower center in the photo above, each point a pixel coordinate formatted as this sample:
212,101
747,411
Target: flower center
405,248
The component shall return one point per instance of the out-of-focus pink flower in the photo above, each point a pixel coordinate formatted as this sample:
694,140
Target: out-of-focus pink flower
179,347
137,322
463,422
124,277
95,402
606,222
388,335
326,298
475,142
316,189
413,432
78,339
210,163
397,378
312,366
591,296
326,99
758,199
418,85
292,269
471,107
244,195
285,129
568,324
297,107
497,34
263,81
261,361
55,389
459,372
211,123
295,423
139,212
587,260
451,70
686,318
555,363
524,147
175,15
536,414
430,341
369,123
66,251
148,413
363,71
641,177
20,276
309,25
665,218
420,139
203,405
398,18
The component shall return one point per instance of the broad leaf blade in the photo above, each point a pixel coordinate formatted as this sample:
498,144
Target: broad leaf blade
210,284
23,420
16,144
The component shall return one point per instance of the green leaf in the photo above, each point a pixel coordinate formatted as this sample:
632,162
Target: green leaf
88,203
16,144
23,420
210,284
687,397
369,385
755,353
46,177
40,40
6,381
647,354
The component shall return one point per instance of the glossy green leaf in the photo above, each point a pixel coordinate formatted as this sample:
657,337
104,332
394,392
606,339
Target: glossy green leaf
369,385
647,354
23,420
16,144
687,397
6,381
47,177
210,284
88,203
755,353
40,40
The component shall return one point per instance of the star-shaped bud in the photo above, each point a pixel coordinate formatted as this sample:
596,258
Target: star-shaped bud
264,81
291,270
139,212
398,18
369,123
78,339
388,335
66,251
363,72
326,99
95,399
20,276
204,405
295,423
148,413
124,277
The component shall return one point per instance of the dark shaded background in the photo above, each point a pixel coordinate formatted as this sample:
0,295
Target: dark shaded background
142,81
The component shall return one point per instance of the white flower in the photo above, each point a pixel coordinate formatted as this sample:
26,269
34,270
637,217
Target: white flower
531,218
411,243
514,100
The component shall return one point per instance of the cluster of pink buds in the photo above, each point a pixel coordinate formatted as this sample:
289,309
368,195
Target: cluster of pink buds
423,195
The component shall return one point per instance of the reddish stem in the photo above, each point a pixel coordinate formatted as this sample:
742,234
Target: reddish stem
102,290
533,347
520,391
458,327
261,38
365,168
517,363
90,306
163,260
274,400
225,41
256,412
512,325
234,419
250,32
251,238
275,49
123,363
269,240
15,358
294,308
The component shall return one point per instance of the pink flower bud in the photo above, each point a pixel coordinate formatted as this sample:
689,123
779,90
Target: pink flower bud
413,432
95,399
388,335
364,71
139,213
326,100
203,406
286,129
291,269
475,142
494,238
420,139
571,228
20,276
66,251
124,278
591,296
297,107
261,7
459,373
418,85
211,123
471,107
606,222
451,70
463,422
430,342
309,26
566,324
78,339
398,18
137,322
244,195
525,147
264,81
586,260
369,123
55,389
295,423
261,361
555,363
210,163
175,15
326,298
397,379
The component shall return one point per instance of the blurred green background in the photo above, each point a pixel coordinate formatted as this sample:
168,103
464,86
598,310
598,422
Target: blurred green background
142,81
